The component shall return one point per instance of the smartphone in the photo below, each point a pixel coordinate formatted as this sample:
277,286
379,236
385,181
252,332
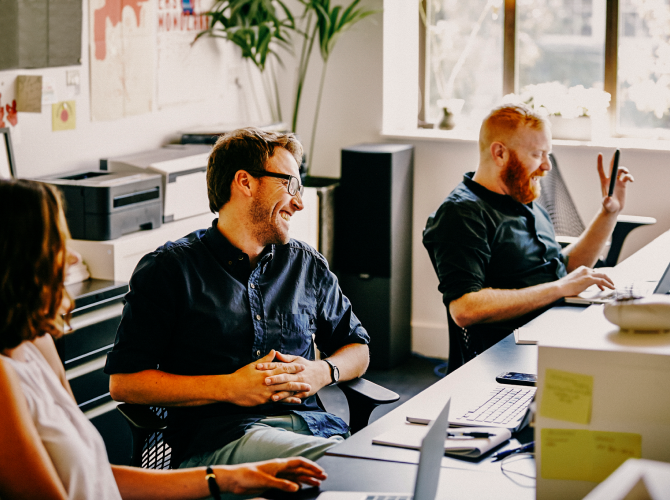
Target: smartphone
614,173
517,378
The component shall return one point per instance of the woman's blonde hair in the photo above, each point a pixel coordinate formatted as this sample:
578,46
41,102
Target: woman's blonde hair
33,235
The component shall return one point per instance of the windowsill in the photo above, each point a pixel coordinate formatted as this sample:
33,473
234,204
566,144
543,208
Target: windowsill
468,136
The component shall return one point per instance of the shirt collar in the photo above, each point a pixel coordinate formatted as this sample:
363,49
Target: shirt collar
492,197
228,254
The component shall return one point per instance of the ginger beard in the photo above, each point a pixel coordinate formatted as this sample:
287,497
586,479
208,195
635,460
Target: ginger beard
266,227
519,182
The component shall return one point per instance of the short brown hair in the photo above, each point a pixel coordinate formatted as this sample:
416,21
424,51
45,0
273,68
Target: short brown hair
243,149
33,234
505,120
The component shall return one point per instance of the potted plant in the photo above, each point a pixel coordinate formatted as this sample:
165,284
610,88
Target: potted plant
323,23
257,27
570,110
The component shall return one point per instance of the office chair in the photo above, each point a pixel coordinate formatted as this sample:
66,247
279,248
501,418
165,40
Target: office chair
147,423
568,225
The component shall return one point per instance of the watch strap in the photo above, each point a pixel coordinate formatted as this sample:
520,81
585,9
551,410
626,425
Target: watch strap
332,372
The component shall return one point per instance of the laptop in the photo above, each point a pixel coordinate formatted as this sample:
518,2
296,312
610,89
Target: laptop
427,474
593,295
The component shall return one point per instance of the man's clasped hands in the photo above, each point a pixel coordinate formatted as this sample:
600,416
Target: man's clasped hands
279,377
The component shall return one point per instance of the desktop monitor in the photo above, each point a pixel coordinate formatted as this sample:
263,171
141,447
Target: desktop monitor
7,168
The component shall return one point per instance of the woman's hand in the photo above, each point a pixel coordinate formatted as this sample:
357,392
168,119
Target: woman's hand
283,474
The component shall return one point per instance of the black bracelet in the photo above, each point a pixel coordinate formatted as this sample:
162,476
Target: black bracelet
211,482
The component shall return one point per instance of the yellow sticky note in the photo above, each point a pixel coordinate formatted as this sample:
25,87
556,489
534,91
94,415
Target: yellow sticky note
584,455
567,396
611,449
63,116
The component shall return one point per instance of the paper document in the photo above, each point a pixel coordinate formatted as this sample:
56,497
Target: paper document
551,322
410,436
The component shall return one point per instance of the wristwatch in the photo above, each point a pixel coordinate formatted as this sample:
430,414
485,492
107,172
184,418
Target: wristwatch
334,372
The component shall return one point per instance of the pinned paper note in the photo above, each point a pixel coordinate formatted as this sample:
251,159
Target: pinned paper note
584,455
567,396
63,116
29,93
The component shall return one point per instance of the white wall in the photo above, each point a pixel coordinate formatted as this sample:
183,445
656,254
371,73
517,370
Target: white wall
39,151
351,110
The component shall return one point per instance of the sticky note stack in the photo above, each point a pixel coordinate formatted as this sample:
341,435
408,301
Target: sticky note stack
601,400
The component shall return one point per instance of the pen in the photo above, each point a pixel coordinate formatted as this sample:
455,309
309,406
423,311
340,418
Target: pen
470,434
615,172
522,449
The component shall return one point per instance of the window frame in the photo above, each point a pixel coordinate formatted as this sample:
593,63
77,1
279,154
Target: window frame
510,67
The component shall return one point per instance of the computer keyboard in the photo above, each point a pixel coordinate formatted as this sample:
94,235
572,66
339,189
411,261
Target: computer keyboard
504,405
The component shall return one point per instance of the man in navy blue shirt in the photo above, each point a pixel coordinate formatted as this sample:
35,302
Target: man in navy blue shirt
494,250
221,325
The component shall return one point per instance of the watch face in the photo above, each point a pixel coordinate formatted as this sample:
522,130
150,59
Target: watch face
336,373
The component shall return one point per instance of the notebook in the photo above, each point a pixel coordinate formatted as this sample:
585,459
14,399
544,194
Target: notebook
504,406
410,436
593,295
427,474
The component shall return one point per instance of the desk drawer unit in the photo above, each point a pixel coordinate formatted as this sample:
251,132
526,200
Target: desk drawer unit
90,384
83,350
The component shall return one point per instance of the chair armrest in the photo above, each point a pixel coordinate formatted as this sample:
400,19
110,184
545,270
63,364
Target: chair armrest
624,225
141,417
364,396
374,392
638,220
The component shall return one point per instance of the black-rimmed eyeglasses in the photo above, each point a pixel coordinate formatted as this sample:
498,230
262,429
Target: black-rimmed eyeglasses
293,186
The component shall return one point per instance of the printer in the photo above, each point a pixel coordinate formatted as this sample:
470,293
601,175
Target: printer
106,205
183,168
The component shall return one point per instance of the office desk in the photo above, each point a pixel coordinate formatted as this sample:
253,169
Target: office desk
480,373
358,465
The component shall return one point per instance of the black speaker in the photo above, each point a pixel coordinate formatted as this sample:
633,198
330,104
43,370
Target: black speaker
373,245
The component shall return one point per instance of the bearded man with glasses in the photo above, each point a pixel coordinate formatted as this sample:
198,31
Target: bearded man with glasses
221,325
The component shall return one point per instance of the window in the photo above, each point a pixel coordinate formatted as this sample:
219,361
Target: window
474,56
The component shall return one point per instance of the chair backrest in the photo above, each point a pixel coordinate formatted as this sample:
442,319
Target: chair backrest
147,424
156,453
556,200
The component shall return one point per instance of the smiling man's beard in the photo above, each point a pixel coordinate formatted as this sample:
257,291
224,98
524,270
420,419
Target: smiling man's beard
518,181
266,230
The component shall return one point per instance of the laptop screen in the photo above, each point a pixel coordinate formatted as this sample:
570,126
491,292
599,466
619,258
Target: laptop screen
663,286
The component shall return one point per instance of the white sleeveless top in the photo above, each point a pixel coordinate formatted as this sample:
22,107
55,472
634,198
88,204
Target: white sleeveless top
73,443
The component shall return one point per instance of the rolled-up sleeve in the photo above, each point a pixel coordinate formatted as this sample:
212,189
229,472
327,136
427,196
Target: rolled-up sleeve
457,243
337,325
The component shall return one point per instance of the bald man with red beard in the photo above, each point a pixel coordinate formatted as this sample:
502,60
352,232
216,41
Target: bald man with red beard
494,249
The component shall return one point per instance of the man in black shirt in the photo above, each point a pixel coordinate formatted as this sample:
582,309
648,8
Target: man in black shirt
494,250
220,326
